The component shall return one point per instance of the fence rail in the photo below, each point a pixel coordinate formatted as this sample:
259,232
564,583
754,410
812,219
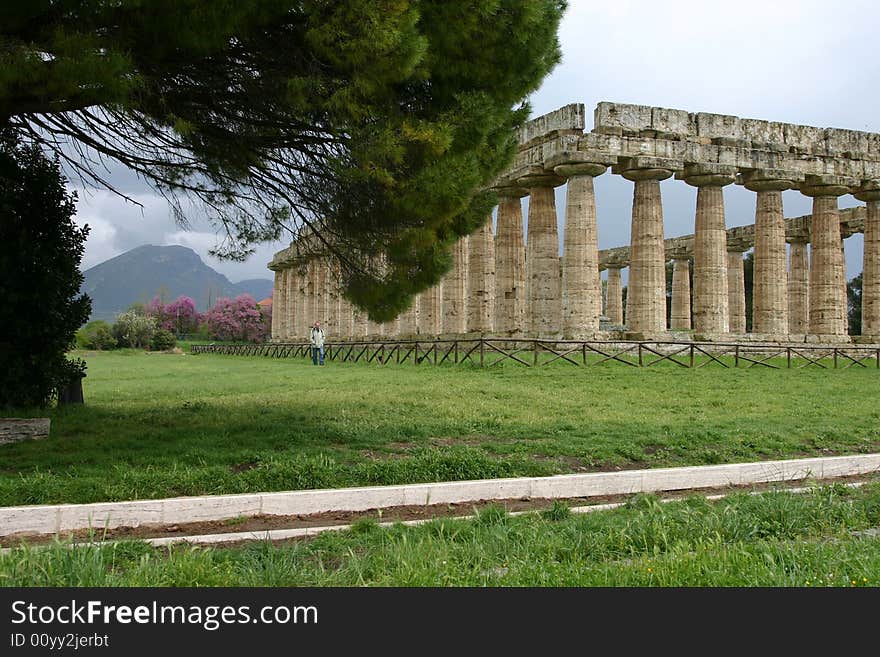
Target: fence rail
488,352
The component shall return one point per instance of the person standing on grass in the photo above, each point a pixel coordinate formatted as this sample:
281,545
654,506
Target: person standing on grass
317,339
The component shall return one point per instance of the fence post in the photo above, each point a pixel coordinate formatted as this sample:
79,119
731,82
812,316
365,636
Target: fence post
482,351
640,355
455,347
535,352
835,357
736,356
692,356
788,357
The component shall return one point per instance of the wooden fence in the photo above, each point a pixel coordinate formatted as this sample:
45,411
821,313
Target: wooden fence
486,352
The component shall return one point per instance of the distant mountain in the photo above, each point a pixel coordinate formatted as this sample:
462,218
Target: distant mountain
165,271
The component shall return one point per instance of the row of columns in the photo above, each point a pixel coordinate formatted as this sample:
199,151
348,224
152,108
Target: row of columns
501,286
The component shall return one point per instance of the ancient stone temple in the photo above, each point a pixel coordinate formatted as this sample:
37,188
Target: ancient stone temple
507,283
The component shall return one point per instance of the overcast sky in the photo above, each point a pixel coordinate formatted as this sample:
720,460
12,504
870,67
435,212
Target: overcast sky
804,61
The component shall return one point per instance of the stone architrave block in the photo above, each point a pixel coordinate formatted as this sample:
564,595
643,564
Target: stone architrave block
612,118
840,142
671,121
569,117
762,133
805,138
718,126
873,146
593,141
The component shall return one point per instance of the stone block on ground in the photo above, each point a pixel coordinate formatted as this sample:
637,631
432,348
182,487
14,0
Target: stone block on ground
14,430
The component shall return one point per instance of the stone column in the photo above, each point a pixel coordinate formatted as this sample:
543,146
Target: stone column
409,319
291,309
429,312
798,289
614,296
711,299
454,290
581,285
827,277
344,312
544,310
870,193
770,292
680,317
311,305
277,304
481,280
359,323
321,295
646,295
510,264
736,292
375,330
304,301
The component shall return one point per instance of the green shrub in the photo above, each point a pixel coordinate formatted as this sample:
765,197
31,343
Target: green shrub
133,329
97,334
41,248
163,339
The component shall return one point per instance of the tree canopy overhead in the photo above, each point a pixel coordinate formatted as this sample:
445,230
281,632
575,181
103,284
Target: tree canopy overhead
377,123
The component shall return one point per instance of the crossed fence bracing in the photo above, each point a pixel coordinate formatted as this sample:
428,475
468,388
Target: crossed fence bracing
488,352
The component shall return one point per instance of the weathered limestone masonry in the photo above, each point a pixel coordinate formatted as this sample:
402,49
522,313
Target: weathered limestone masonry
736,292
481,280
510,264
454,313
581,285
711,308
798,289
429,311
543,281
614,297
765,157
680,316
871,268
533,293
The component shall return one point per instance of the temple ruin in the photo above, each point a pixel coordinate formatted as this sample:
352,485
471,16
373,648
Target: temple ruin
505,284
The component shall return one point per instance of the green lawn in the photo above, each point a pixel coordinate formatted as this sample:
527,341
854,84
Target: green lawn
157,425
824,538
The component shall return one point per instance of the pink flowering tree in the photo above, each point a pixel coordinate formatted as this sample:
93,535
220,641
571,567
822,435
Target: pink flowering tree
155,308
237,319
181,316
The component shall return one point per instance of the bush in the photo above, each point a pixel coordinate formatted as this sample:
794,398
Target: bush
163,339
133,329
40,252
96,335
236,319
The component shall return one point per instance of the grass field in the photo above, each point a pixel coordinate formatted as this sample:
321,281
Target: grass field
157,424
773,539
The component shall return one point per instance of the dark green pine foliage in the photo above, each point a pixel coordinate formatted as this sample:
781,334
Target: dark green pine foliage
854,305
378,123
40,253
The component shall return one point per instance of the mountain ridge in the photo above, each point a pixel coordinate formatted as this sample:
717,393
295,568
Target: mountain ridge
146,271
